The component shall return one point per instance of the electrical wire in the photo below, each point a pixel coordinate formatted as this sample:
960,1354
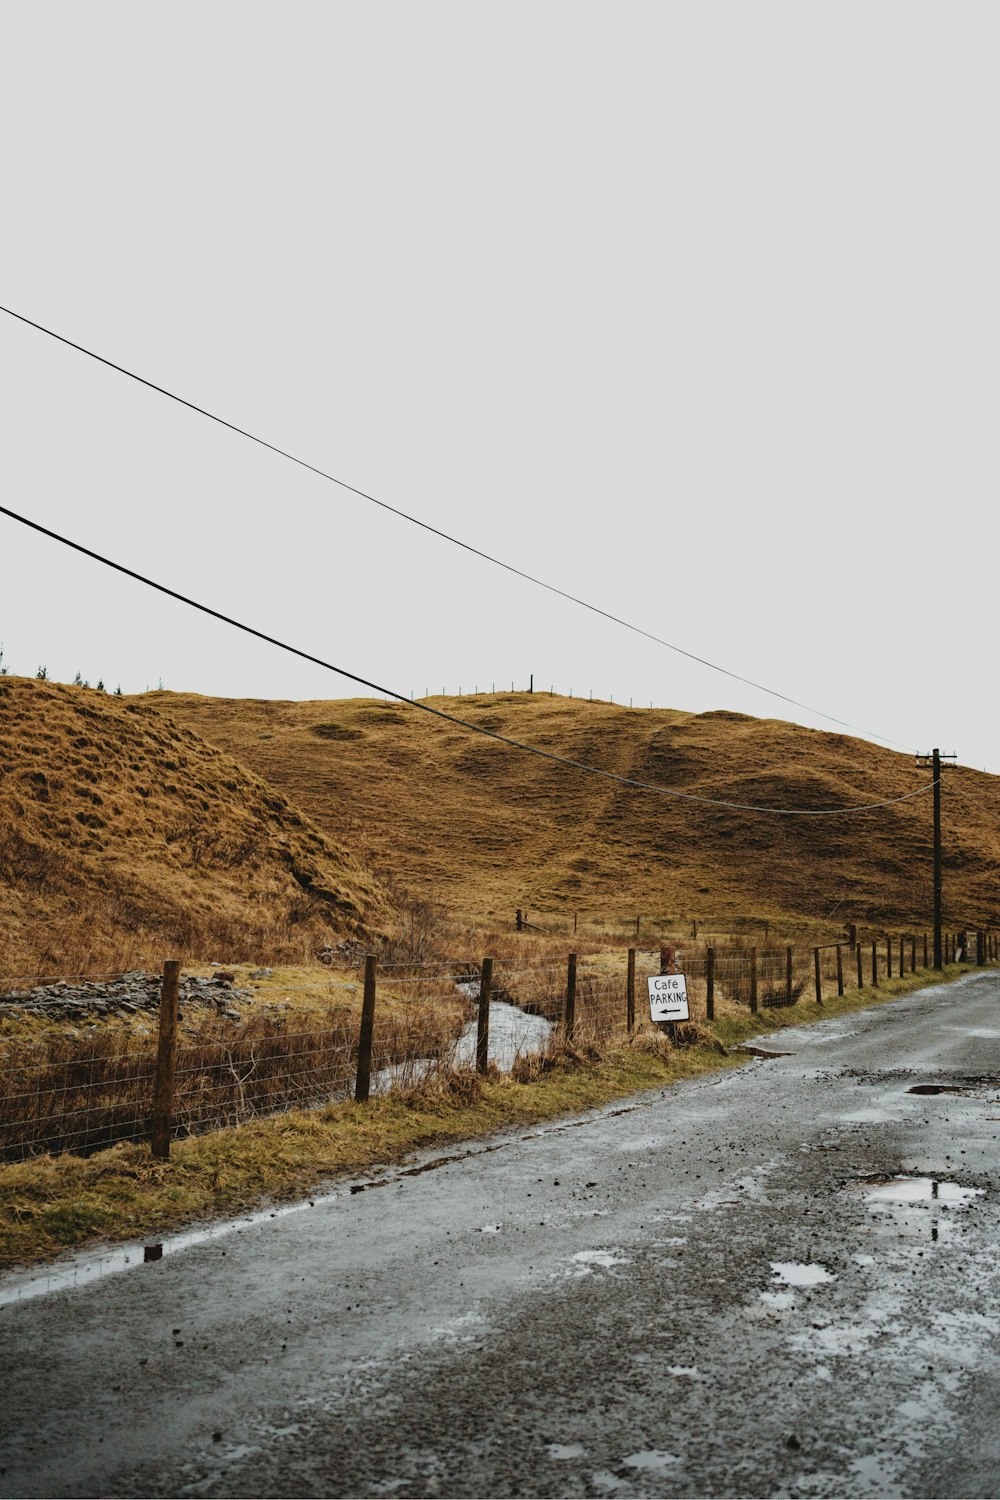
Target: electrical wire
503,739
447,537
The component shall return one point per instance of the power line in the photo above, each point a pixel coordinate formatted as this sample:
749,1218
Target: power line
576,765
447,537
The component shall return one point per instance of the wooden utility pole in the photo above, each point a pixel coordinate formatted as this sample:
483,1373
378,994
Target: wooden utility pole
934,761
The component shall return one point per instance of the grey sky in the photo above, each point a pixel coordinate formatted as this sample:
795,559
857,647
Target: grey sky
691,309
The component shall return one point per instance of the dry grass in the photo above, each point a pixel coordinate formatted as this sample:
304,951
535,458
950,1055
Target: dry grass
483,829
124,837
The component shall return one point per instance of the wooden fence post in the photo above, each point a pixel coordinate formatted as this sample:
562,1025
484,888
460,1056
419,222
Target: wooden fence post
913,955
852,936
166,1061
362,1086
518,920
788,975
840,971
902,957
819,978
570,996
483,1022
874,963
753,980
630,992
861,969
888,958
925,950
710,984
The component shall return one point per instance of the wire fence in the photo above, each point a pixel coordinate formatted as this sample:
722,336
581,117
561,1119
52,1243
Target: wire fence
63,1092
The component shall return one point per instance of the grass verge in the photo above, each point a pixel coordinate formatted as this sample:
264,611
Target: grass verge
50,1204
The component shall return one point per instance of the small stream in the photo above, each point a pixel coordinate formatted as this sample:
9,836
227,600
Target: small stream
513,1034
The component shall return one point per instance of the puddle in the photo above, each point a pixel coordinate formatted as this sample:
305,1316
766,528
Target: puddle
794,1273
920,1190
560,1451
603,1258
917,1207
654,1460
760,1051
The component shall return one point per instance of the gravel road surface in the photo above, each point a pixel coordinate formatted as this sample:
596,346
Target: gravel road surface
717,1289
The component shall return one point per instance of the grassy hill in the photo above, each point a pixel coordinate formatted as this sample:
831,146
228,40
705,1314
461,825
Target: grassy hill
483,828
125,838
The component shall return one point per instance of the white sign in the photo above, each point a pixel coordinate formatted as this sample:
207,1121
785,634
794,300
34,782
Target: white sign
668,997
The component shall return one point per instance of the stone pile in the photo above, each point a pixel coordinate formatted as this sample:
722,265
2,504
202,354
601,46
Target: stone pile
131,994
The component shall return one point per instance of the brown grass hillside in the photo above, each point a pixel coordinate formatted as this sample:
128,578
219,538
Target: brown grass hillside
484,828
124,839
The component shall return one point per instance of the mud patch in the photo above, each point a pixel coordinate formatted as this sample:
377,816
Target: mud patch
966,1087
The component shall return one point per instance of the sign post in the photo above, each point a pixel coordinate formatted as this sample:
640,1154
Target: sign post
668,1000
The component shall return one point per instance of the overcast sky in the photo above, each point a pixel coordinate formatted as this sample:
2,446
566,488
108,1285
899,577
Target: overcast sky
690,309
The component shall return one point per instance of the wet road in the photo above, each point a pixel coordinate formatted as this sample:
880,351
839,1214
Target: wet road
693,1294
